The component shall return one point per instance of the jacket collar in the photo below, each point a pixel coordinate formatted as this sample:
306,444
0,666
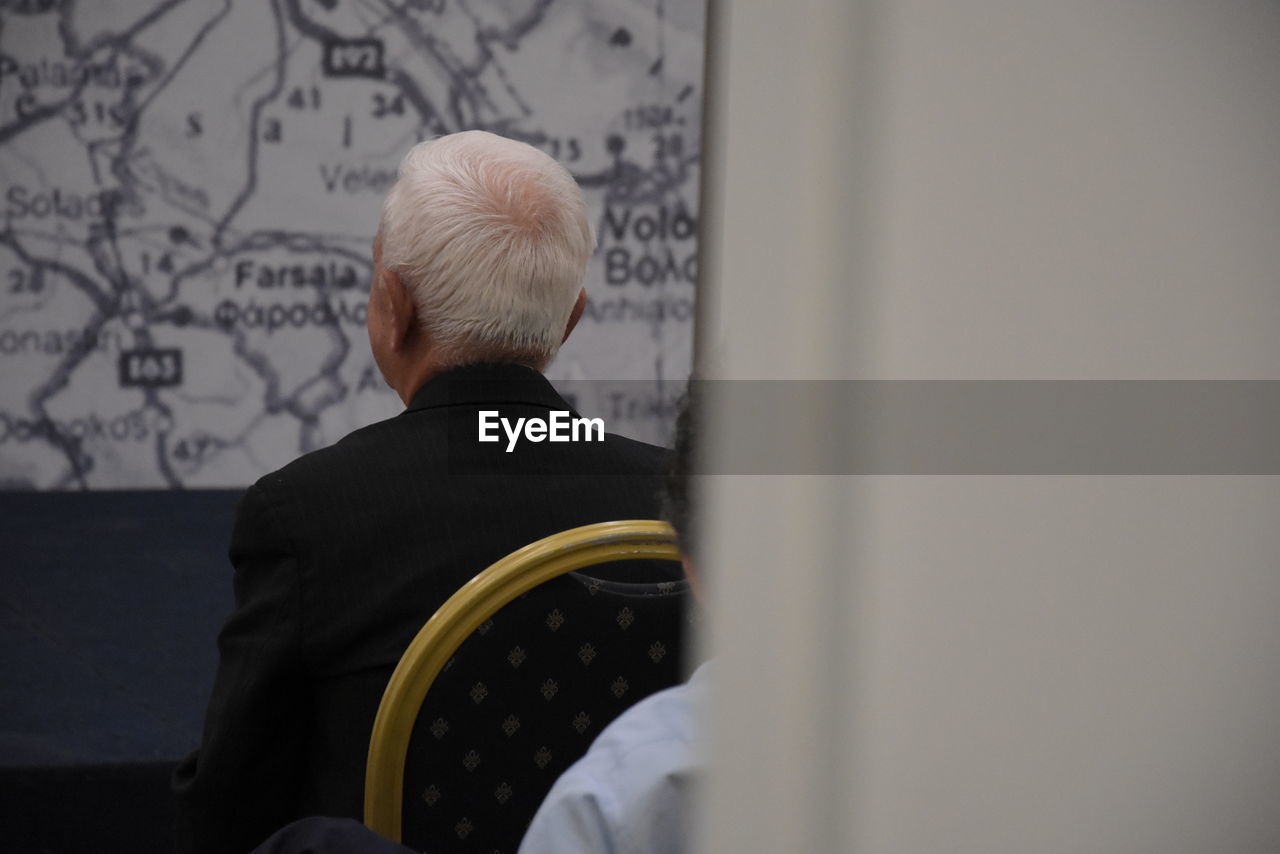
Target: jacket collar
487,383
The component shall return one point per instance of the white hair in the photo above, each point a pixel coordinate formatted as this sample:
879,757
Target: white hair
492,239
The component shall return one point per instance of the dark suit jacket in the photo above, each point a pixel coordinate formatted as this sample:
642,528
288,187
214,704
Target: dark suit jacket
341,556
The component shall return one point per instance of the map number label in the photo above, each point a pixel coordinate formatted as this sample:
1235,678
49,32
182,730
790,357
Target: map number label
353,58
384,106
21,283
151,368
304,98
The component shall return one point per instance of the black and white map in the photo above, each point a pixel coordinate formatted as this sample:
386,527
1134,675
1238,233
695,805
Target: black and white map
189,189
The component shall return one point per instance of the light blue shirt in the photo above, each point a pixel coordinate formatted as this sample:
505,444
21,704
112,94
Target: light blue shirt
631,792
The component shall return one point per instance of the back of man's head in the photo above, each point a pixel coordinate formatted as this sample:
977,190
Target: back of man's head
491,238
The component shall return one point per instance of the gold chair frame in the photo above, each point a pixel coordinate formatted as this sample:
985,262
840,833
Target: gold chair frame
464,612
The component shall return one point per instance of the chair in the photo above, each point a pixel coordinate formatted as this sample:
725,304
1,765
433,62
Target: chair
506,698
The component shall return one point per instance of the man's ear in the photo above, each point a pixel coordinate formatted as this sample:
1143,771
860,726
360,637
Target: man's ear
691,574
574,316
403,314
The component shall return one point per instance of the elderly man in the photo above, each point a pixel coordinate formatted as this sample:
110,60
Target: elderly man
342,555
635,790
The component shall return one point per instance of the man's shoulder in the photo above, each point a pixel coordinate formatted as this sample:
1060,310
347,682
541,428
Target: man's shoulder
631,791
649,457
363,450
654,740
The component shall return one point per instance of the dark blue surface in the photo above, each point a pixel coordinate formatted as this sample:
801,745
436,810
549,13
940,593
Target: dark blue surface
110,604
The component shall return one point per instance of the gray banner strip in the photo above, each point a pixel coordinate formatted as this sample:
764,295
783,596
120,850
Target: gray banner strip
1040,427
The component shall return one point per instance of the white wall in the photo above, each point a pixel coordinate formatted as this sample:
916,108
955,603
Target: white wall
993,190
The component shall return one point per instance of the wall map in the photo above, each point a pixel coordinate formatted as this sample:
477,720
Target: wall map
189,189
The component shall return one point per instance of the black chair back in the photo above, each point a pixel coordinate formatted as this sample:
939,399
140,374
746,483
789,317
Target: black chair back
523,698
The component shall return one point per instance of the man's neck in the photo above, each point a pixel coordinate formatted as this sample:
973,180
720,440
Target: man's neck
475,368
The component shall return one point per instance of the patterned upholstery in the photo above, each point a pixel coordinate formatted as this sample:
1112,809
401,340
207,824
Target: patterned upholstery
523,698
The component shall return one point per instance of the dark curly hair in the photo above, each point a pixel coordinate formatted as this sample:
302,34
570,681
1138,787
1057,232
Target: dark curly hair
675,506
